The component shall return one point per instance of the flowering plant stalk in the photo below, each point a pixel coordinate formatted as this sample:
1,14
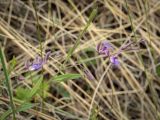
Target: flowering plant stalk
105,48
37,63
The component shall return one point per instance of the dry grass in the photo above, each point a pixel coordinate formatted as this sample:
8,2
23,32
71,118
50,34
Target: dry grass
129,92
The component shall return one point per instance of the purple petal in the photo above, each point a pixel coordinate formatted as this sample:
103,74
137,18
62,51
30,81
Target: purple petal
107,45
37,63
98,47
35,67
106,53
47,57
104,48
114,60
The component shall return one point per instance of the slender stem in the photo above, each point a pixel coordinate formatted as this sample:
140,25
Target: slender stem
38,29
95,92
8,85
150,82
41,49
91,17
131,20
147,25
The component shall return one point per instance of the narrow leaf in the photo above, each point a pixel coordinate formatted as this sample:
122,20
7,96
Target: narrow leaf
5,114
65,77
91,17
35,88
23,107
13,63
7,82
158,70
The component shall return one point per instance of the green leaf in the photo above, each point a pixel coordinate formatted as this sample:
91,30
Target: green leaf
23,107
22,93
43,92
35,78
5,114
61,78
13,63
35,89
91,17
94,113
158,70
26,93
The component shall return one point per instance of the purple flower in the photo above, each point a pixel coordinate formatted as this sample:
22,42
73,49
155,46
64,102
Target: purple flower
37,63
104,48
35,66
114,60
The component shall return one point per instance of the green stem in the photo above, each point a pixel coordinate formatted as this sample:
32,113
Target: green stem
91,17
8,85
41,49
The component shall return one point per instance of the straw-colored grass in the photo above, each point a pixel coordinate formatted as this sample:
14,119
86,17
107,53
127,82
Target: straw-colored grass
128,92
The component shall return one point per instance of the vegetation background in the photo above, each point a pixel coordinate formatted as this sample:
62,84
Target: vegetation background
77,83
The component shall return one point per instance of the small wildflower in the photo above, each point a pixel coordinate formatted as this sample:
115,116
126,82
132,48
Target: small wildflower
35,66
114,60
37,63
104,48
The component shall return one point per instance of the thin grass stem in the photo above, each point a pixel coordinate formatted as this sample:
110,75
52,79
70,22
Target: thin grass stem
8,84
41,51
95,92
91,17
150,82
130,19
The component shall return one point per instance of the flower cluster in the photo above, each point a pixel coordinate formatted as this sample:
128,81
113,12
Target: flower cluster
105,48
37,63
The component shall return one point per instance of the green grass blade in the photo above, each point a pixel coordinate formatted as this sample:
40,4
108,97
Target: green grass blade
35,88
23,107
91,17
6,114
12,65
7,83
61,78
158,70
